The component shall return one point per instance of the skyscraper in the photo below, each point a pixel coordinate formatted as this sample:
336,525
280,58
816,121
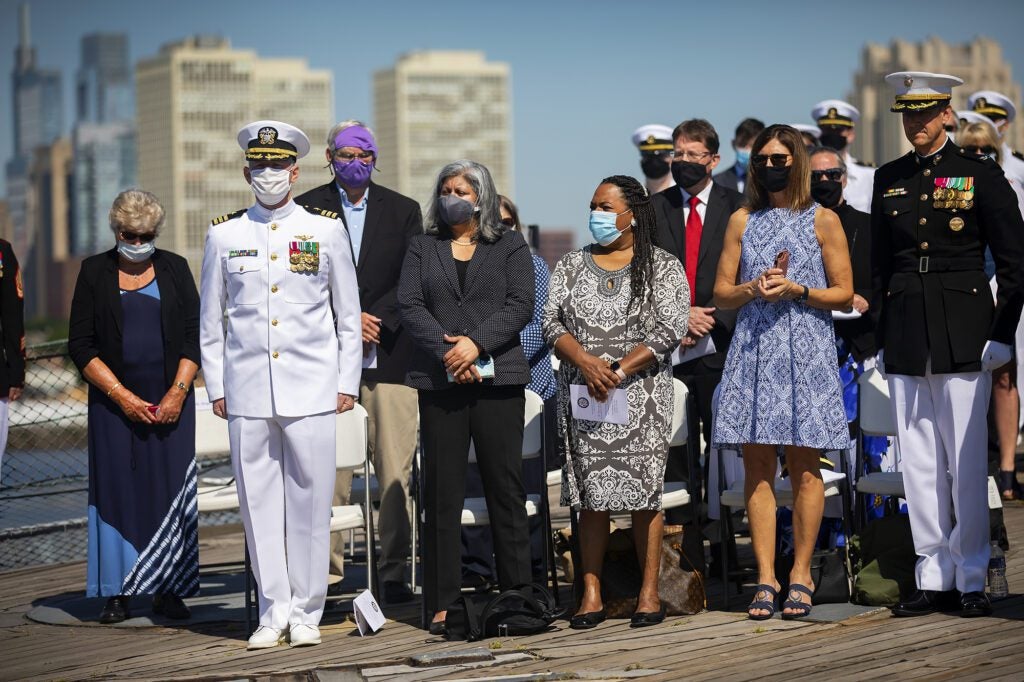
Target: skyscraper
192,99
980,63
435,107
103,86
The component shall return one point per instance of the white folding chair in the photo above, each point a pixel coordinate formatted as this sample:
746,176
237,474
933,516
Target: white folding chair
875,415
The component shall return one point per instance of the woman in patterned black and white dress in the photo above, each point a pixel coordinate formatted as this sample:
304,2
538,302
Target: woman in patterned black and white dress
615,311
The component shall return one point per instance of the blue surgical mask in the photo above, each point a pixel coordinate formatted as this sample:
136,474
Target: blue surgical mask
743,158
602,226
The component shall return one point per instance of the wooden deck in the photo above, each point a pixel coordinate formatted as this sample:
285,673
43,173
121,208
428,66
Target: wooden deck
710,646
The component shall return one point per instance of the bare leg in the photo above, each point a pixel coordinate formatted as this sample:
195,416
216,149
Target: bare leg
759,465
648,528
593,543
1006,408
808,506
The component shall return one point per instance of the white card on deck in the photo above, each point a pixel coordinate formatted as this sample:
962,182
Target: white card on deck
370,359
615,410
995,500
368,614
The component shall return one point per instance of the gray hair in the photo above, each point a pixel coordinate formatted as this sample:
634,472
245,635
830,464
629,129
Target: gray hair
137,211
840,162
479,178
338,127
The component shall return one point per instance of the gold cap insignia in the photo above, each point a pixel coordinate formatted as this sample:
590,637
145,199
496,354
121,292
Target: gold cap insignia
908,81
267,135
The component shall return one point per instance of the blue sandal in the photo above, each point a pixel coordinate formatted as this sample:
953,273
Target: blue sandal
794,602
765,598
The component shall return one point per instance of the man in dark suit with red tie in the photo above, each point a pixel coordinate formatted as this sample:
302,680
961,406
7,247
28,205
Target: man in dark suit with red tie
691,224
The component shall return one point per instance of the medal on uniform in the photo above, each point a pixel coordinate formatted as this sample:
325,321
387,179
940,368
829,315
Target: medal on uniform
953,192
956,224
304,256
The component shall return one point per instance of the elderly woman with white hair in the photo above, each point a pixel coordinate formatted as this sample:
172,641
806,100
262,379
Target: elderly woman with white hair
134,335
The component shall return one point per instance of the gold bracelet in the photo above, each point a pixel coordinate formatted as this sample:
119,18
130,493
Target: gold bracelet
113,388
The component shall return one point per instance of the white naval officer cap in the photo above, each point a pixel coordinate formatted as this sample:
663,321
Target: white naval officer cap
272,141
967,116
653,137
835,112
991,103
812,130
920,90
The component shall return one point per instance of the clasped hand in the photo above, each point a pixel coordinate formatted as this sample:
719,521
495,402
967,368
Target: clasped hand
599,376
772,286
459,360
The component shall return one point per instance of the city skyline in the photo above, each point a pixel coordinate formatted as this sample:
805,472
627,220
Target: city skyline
583,75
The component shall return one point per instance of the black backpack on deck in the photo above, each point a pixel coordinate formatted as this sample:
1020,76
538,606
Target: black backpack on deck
526,609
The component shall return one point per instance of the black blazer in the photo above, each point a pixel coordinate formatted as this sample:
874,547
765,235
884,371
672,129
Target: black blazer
495,305
859,334
12,320
671,236
728,179
392,220
97,317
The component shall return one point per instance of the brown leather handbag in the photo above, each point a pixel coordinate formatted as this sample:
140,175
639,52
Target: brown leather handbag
680,583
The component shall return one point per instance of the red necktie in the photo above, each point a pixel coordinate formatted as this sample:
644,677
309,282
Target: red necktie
694,227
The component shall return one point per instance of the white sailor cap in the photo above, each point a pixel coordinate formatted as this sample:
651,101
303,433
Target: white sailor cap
967,116
813,131
272,141
653,137
920,90
992,103
835,112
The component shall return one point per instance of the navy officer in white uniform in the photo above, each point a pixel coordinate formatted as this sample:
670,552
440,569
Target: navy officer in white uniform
837,121
999,109
285,362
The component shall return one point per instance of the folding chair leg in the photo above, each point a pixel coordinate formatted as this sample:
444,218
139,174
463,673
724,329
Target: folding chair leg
248,590
577,559
725,524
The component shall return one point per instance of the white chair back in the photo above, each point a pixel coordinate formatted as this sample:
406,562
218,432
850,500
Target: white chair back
875,405
350,439
533,428
211,431
680,426
555,362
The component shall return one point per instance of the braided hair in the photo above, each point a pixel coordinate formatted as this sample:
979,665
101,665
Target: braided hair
641,271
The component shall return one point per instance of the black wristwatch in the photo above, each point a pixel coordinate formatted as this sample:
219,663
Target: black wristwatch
805,294
617,368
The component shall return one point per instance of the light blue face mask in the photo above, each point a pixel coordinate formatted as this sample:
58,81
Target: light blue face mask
602,226
743,158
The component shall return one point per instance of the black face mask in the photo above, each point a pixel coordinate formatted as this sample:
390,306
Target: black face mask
653,166
828,193
833,141
773,179
688,173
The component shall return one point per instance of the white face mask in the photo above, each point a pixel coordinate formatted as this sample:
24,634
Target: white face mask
271,185
135,253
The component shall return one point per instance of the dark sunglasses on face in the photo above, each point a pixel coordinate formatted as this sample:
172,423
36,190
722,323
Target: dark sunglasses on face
835,174
131,237
762,160
987,150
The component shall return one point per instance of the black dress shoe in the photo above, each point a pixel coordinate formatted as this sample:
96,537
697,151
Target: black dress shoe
975,604
642,619
116,610
397,593
171,606
920,603
585,621
437,628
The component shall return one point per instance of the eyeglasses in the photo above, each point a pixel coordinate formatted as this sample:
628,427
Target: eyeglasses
835,174
348,156
508,222
132,236
777,160
987,150
696,157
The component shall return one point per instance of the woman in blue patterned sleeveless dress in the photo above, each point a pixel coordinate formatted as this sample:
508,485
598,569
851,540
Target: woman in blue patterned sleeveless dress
785,265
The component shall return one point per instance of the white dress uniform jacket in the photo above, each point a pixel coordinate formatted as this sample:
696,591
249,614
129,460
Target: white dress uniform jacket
1013,167
293,340
860,180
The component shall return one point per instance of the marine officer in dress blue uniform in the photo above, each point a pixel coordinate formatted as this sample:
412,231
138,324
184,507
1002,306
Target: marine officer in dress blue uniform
287,360
934,211
837,121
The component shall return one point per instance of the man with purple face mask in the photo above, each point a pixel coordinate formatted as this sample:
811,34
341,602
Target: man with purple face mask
380,223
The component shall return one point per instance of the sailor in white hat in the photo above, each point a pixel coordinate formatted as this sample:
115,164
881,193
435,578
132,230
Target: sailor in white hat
655,144
288,359
838,122
810,133
934,213
1001,111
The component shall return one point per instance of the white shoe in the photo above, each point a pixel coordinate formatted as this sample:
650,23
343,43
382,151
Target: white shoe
303,635
265,637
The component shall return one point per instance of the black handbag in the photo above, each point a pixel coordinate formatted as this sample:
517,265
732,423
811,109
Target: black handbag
830,572
526,609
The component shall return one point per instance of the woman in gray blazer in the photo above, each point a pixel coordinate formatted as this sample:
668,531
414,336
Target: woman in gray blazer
465,293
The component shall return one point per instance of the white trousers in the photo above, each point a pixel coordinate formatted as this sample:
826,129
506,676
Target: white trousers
941,425
284,468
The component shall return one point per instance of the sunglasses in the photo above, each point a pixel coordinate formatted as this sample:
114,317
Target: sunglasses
835,174
777,160
131,236
987,150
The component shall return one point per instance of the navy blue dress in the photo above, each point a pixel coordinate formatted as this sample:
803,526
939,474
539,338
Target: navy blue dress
143,516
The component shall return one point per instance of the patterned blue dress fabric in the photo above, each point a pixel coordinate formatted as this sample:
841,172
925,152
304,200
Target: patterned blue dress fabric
143,515
780,384
542,377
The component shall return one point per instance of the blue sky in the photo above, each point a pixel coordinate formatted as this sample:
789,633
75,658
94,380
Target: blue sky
584,74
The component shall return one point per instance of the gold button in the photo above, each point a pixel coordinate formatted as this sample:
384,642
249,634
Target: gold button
273,226
894,212
922,221
241,268
924,197
974,291
273,322
924,246
273,289
273,256
927,172
275,354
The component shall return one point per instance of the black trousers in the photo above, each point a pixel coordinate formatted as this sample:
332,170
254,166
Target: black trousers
493,417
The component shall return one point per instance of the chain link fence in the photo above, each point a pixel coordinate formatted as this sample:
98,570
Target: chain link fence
44,477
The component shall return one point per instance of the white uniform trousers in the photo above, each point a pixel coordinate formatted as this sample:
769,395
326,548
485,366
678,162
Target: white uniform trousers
284,468
941,425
